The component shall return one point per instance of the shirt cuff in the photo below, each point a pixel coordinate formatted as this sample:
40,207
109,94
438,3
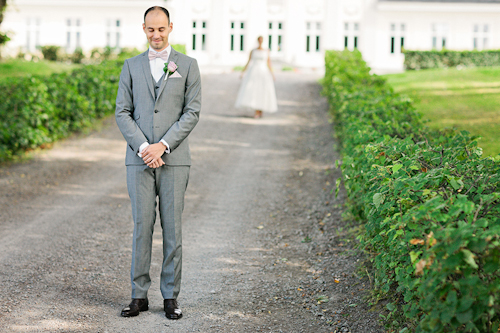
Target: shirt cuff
141,148
166,145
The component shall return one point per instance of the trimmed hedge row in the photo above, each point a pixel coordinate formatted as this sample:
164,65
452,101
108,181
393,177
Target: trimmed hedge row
446,58
38,110
428,201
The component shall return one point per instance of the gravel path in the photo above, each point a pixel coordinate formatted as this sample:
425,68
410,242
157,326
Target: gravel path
265,248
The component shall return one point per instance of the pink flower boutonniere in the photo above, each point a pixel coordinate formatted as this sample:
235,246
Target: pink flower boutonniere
169,68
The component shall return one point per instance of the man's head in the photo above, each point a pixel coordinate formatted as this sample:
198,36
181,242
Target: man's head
157,27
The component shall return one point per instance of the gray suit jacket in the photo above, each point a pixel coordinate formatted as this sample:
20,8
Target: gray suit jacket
171,117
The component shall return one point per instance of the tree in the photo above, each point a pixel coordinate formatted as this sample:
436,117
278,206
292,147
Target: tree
3,4
3,37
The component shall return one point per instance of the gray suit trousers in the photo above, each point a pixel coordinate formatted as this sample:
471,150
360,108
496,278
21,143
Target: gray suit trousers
168,184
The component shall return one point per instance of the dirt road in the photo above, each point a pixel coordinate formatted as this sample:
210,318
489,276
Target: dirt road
264,246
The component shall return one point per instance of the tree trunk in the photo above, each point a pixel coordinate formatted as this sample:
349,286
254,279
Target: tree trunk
3,4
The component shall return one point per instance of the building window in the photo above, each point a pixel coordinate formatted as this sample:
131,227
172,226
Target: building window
275,37
68,40
199,40
118,34
68,34
439,35
397,36
37,35
113,33
108,38
351,38
73,34
237,36
313,31
32,33
480,36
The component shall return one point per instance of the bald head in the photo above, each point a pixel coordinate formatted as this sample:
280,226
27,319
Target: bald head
157,10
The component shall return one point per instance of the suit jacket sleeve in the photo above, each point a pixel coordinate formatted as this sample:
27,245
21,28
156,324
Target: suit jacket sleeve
191,111
124,112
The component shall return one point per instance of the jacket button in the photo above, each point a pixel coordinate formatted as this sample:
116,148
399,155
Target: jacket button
156,111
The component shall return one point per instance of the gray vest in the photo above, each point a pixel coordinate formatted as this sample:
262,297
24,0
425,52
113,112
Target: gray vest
157,85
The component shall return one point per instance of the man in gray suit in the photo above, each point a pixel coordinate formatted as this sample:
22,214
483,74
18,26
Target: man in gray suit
156,109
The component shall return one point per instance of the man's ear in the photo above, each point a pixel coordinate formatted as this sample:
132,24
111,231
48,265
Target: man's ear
144,27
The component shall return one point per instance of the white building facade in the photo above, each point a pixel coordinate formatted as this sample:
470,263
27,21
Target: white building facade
297,32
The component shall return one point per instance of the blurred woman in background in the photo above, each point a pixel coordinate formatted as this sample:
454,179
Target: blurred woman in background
257,88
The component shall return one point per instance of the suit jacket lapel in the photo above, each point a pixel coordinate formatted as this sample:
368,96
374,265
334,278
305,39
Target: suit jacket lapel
172,57
146,69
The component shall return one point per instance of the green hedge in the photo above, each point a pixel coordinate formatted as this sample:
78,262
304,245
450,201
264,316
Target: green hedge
428,201
180,48
41,109
446,58
51,52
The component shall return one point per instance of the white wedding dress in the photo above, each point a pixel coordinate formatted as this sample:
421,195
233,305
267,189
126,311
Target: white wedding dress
257,88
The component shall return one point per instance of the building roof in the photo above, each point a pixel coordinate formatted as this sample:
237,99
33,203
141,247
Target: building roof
456,1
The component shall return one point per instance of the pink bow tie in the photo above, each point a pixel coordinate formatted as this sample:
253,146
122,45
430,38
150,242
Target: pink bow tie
153,55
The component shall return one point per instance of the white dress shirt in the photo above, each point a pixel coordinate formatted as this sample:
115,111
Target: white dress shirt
156,65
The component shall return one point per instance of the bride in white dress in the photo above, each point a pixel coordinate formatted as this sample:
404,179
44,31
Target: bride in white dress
257,88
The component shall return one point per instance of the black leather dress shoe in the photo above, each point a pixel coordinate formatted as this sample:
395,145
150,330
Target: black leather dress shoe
172,310
135,307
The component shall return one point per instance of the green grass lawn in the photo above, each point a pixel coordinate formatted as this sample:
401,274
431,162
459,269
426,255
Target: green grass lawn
466,99
16,67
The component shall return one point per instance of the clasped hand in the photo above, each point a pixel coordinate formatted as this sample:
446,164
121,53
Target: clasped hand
152,155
